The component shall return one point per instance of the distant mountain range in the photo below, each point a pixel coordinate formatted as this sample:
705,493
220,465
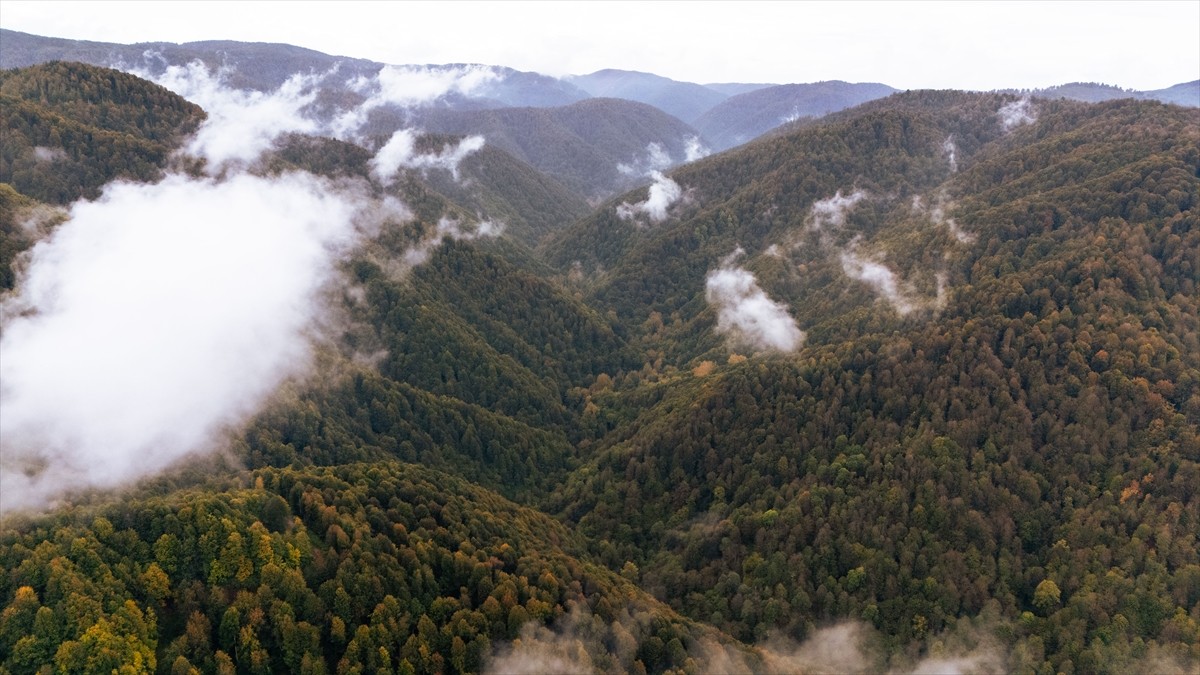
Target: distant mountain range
720,115
1185,93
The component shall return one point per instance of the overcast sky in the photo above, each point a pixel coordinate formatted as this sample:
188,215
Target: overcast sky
963,45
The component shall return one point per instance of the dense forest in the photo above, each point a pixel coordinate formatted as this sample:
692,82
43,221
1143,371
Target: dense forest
569,448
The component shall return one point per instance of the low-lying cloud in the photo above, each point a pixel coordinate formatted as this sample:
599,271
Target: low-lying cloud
446,227
744,312
160,315
882,280
663,194
655,159
951,152
852,648
410,86
695,149
156,320
937,214
400,153
241,124
831,212
1016,113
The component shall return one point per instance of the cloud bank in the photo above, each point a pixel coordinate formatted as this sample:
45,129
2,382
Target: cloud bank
878,276
951,151
744,312
159,315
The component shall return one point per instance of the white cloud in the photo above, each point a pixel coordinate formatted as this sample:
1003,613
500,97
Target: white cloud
411,86
695,150
831,212
1016,113
654,160
241,124
447,227
878,276
951,151
663,194
159,315
745,313
938,215
44,154
399,152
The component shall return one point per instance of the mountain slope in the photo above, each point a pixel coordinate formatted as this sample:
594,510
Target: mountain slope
748,115
1186,93
265,66
684,100
70,128
374,566
581,145
1001,447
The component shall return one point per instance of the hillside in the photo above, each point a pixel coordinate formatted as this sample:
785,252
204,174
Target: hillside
910,386
72,128
266,66
1186,93
684,100
932,451
582,145
745,116
380,566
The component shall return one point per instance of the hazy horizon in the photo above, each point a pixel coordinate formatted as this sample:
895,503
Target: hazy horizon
910,45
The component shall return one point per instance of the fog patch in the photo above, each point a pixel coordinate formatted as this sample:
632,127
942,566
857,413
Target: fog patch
655,159
42,153
663,194
407,87
1016,113
882,280
446,228
400,153
241,124
951,152
831,212
744,312
937,214
695,149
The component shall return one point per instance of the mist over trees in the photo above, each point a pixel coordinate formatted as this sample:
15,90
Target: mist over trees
912,386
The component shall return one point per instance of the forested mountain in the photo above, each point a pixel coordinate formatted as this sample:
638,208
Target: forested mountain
595,147
265,66
71,128
684,100
745,116
917,381
997,436
735,88
1186,93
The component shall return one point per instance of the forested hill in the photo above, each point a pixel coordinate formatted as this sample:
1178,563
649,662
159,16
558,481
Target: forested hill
71,128
584,145
912,386
1001,417
748,115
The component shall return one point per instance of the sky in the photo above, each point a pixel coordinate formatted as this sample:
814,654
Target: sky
909,45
